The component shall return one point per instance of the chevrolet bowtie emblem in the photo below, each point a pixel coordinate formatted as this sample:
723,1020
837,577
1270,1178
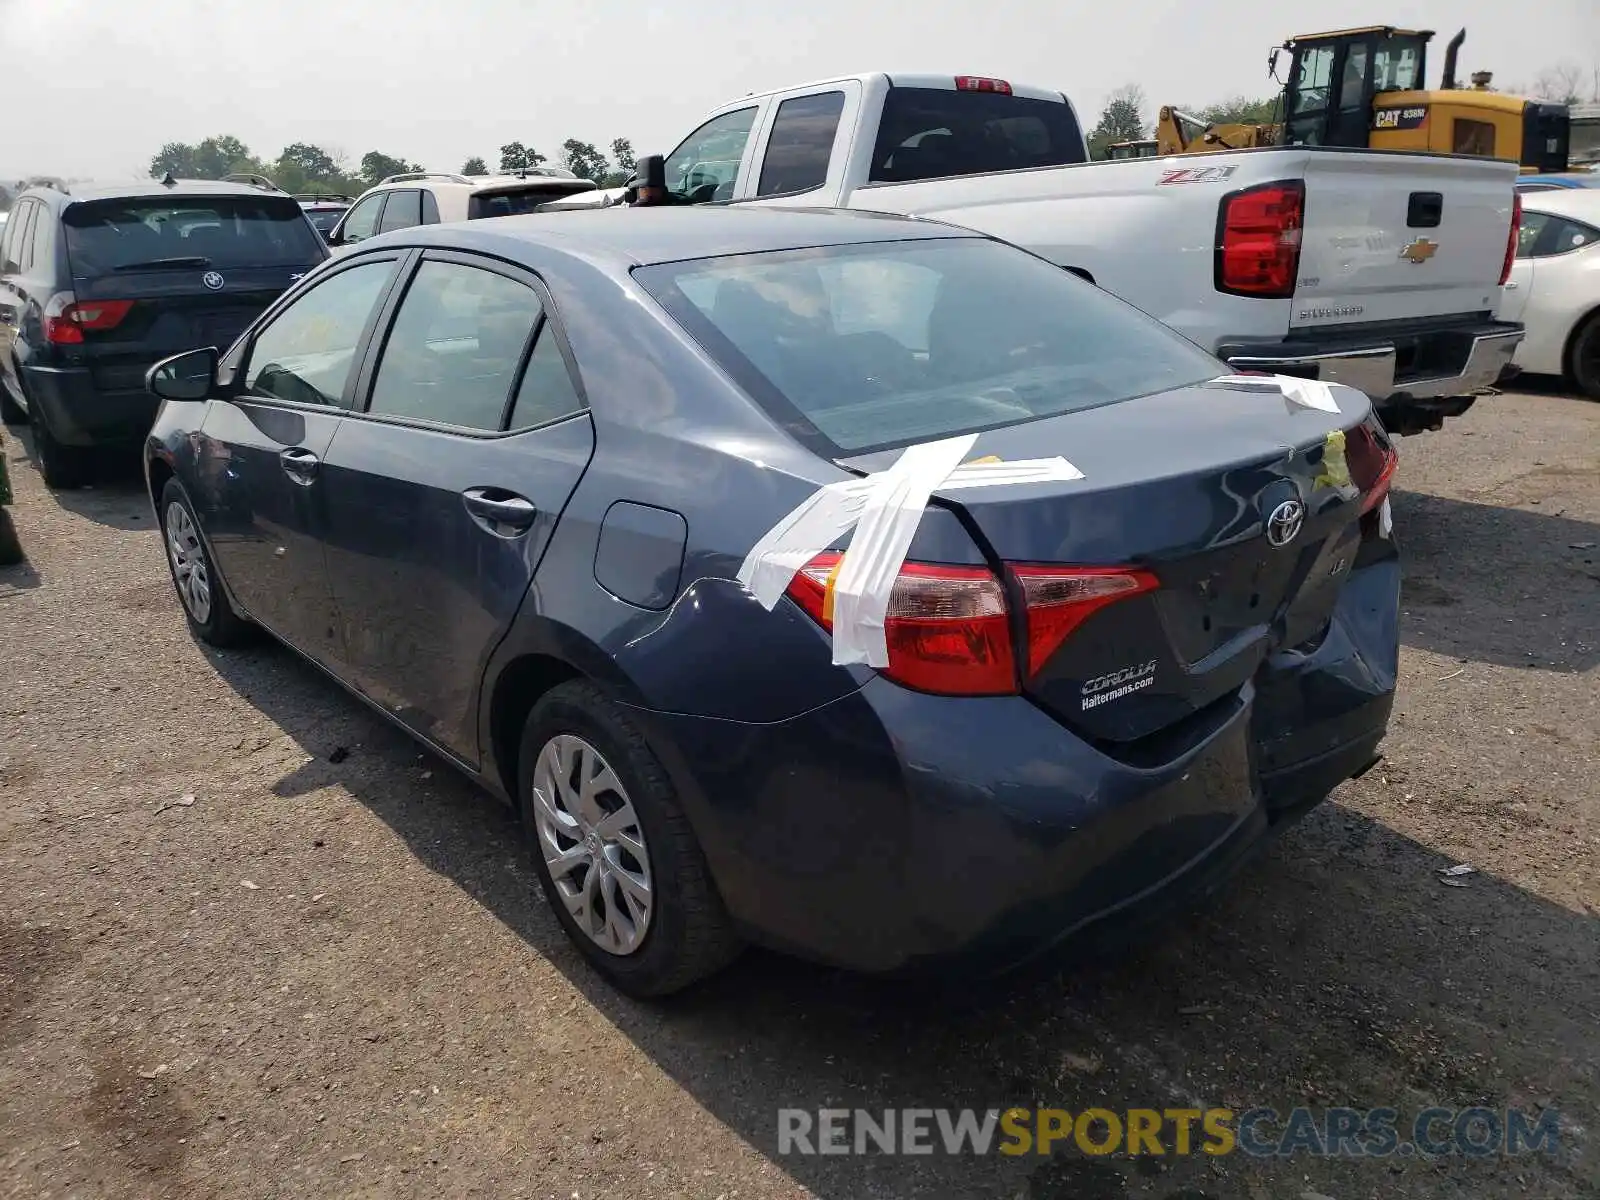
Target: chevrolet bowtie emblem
1420,251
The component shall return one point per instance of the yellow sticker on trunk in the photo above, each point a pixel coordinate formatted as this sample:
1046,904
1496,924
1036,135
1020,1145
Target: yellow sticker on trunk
1335,469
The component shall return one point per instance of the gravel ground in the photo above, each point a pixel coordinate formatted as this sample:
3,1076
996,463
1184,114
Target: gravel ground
232,967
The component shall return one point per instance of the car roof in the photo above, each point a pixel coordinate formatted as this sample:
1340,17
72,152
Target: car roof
141,188
631,237
1582,203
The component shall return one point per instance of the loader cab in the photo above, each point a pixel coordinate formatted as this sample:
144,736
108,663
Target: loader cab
1145,148
1333,79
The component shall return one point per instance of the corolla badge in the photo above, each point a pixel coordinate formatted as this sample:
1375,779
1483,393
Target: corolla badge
1283,524
213,280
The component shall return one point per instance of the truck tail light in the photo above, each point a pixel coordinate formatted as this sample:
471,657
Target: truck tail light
1512,238
66,318
1258,240
948,628
977,83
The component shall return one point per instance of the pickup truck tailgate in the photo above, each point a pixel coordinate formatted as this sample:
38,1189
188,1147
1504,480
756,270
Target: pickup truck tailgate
1401,236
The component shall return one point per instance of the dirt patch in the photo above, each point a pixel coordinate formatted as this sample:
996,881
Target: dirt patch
29,956
139,1111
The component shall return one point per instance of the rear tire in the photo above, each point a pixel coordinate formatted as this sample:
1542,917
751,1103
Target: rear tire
63,467
1583,360
194,576
10,545
687,934
11,413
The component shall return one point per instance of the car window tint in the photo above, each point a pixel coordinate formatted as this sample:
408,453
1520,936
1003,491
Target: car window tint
172,232
926,133
454,350
402,212
1566,235
801,144
306,353
17,236
546,392
706,166
863,347
1528,233
43,239
363,219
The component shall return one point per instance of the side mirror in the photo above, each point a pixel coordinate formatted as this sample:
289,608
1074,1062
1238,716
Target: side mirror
191,375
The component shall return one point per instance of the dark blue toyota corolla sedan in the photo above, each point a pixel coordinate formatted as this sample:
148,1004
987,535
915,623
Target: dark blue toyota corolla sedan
856,585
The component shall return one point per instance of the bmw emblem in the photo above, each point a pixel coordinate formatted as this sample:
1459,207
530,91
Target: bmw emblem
1283,524
213,280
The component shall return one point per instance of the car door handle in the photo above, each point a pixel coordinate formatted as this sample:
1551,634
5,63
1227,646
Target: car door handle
502,512
299,464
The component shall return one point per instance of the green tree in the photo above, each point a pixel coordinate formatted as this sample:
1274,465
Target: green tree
176,158
474,166
1122,120
376,166
583,160
223,155
514,156
1241,110
313,162
622,155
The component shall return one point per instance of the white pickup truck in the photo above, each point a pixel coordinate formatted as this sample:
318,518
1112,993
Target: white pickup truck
1381,270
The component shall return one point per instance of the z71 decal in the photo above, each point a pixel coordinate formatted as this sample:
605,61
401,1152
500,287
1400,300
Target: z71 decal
1195,175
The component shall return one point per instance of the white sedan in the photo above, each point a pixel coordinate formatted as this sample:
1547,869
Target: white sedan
1554,287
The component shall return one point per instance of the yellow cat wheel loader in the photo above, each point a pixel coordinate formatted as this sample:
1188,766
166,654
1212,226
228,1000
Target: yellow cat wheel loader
1365,88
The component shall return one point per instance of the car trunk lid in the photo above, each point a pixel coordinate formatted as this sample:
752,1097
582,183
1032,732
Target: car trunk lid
1182,486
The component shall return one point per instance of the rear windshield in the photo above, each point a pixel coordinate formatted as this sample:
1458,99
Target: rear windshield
104,236
514,204
861,348
324,219
926,133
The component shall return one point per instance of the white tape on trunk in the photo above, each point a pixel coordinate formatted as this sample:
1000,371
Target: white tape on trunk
1307,393
884,509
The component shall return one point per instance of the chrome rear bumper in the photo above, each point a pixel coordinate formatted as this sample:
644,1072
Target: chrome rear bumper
1374,369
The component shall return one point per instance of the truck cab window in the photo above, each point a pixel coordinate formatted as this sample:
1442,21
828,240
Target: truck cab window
706,166
801,144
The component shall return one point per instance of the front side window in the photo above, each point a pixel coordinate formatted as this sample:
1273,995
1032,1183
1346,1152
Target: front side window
402,212
306,353
455,347
706,166
801,144
363,219
857,348
184,232
1312,80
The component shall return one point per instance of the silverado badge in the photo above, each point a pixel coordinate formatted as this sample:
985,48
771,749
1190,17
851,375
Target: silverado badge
1420,251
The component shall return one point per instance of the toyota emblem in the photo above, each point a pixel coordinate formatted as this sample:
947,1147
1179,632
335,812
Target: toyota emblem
1283,525
213,280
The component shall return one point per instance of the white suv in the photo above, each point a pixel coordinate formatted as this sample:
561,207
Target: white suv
428,198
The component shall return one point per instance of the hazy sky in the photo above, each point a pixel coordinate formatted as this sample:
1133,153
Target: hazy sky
95,87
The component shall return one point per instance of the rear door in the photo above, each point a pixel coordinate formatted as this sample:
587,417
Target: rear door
13,288
1400,236
170,273
261,479
442,496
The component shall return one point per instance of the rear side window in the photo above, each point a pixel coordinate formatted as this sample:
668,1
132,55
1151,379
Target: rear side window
546,393
927,133
1544,235
455,347
43,239
107,236
402,212
801,144
858,348
17,233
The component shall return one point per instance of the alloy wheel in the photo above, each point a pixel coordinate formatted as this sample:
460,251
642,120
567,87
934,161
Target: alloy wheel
592,844
188,562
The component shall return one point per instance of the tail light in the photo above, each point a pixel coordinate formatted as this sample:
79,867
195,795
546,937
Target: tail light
976,83
1258,240
66,319
1512,237
1372,466
949,630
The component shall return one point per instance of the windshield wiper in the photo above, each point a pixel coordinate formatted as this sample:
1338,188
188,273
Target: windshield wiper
188,260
